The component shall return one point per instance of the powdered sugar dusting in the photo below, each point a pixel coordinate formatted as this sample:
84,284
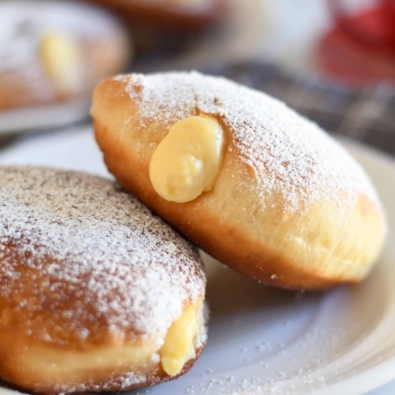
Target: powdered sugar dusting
124,269
287,152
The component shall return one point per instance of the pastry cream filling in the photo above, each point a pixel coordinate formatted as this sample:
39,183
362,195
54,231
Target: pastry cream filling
62,60
187,161
178,347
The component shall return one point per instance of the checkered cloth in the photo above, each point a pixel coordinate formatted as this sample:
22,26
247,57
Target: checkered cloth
367,115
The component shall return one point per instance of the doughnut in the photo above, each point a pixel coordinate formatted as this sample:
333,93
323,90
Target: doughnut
244,177
55,51
166,22
96,292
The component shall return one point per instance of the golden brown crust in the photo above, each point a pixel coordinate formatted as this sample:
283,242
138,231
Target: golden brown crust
165,24
44,381
314,249
82,267
168,16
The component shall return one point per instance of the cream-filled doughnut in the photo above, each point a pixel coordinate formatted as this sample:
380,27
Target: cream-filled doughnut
55,51
96,292
288,206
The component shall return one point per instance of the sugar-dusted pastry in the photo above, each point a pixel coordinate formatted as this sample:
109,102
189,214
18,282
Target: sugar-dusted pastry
55,51
247,179
96,293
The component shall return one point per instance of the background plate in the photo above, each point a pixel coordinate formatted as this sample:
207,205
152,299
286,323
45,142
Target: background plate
45,117
269,341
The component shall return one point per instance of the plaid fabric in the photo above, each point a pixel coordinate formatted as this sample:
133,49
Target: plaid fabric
367,115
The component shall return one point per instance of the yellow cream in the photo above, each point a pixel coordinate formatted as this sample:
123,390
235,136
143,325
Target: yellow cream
62,60
178,347
186,163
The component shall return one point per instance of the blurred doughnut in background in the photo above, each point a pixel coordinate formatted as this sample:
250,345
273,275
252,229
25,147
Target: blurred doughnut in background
52,52
167,23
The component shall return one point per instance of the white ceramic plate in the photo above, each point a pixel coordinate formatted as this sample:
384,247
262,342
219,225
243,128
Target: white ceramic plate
46,117
268,341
